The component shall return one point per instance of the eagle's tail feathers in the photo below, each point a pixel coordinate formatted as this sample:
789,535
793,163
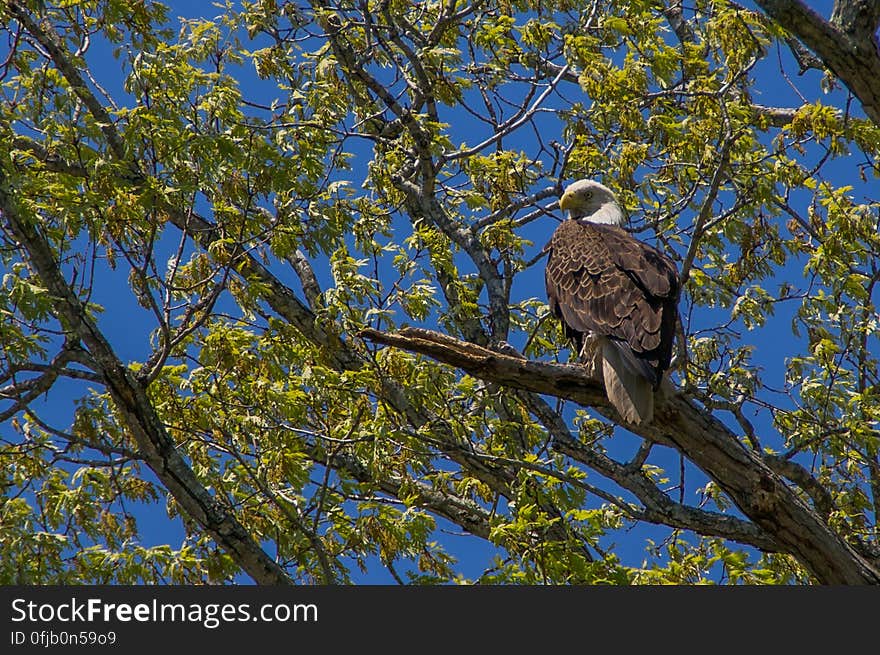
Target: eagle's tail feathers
628,390
636,364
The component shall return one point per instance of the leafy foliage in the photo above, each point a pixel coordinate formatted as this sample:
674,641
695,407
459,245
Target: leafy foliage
234,198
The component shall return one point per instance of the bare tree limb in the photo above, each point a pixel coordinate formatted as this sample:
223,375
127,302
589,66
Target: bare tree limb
847,44
758,491
658,507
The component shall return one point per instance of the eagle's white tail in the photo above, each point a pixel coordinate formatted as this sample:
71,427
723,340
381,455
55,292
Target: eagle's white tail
630,393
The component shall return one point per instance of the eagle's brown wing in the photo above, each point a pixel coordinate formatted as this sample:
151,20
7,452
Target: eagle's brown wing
601,280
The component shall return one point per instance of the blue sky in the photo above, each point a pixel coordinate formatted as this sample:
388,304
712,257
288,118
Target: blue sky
127,325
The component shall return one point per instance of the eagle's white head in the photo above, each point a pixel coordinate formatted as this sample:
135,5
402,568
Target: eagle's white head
587,200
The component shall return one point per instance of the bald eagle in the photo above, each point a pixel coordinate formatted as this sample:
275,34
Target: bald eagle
617,298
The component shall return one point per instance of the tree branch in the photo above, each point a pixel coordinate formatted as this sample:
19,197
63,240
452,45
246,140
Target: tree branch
135,409
280,298
847,44
759,492
658,507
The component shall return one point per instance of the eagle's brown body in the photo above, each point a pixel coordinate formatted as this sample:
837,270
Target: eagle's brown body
611,289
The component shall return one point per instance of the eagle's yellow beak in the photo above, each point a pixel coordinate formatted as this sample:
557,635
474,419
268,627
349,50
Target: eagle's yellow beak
567,201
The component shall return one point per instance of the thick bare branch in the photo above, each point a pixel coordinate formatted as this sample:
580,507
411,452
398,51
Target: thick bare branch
658,507
847,44
759,492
